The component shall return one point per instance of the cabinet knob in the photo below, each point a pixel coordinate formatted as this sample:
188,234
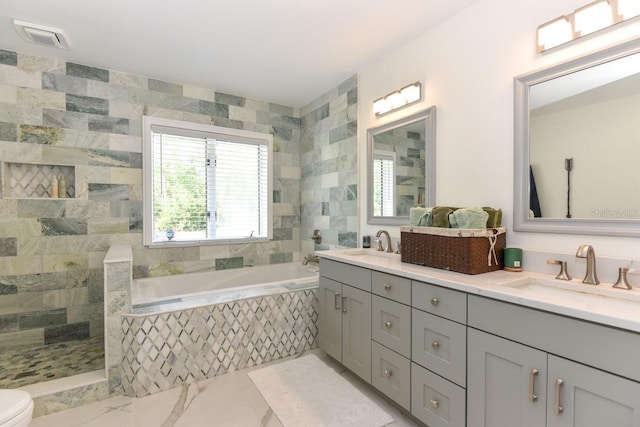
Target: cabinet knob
435,301
435,403
388,324
388,373
387,287
435,345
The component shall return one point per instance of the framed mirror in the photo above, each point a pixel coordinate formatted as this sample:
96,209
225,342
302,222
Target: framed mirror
577,145
401,167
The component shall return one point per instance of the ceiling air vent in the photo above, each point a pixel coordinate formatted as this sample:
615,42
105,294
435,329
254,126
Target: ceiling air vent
40,34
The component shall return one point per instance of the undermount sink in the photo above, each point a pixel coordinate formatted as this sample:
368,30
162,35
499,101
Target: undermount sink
359,253
602,295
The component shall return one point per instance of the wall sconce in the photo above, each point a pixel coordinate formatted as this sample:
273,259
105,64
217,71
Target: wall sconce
586,20
398,99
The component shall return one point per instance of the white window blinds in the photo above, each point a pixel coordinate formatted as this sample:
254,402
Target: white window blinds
207,185
383,184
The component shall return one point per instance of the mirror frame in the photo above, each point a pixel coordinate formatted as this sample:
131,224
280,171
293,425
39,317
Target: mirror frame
522,85
429,116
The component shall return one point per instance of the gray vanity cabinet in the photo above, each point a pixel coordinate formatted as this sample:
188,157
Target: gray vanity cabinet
438,355
330,317
589,397
532,382
506,383
344,330
391,335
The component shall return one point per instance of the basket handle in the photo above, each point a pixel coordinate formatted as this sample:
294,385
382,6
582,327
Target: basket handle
492,248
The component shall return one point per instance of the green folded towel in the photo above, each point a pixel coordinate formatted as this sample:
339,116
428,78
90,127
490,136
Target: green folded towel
495,217
441,216
468,218
420,217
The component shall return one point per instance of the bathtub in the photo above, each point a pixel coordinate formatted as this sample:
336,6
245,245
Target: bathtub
191,327
168,293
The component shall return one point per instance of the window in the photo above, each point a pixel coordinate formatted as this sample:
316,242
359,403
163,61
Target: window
205,184
383,183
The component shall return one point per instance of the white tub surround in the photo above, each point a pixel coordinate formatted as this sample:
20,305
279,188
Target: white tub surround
205,288
165,350
497,285
191,327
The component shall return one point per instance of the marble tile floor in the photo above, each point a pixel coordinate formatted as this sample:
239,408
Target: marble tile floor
50,362
230,400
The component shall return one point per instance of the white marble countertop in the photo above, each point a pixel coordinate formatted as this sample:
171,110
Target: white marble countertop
617,308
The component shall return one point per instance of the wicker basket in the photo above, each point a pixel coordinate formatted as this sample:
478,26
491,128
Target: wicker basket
465,251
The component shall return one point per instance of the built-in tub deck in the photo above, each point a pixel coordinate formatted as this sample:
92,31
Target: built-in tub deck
190,327
222,296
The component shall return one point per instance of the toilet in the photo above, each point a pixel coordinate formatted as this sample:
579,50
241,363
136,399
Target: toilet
16,408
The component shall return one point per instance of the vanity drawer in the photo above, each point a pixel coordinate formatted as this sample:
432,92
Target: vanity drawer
391,374
436,401
440,345
392,287
440,301
391,324
357,277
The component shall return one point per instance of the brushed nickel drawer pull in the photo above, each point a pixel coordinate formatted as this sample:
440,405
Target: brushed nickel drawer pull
344,304
435,345
388,324
558,409
435,301
435,403
336,301
388,373
387,287
532,392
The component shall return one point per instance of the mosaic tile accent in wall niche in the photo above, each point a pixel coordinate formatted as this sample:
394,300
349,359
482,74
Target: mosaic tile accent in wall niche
162,351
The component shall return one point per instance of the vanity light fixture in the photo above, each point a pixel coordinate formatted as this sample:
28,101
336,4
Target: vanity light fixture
588,19
628,8
592,17
400,98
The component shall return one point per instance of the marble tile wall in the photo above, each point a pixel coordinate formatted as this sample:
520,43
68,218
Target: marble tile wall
329,169
54,112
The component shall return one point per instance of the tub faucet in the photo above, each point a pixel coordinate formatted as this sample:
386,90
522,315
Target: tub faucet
386,234
311,258
586,251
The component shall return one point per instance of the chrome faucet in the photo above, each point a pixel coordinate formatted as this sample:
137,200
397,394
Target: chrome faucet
386,234
311,258
586,251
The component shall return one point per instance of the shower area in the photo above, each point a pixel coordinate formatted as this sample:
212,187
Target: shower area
51,325
52,247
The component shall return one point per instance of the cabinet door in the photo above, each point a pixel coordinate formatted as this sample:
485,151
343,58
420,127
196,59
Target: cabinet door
506,383
356,331
589,397
330,317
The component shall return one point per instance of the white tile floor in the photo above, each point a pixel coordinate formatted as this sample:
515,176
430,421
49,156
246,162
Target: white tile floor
226,401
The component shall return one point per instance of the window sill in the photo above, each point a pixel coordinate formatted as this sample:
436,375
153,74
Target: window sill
185,243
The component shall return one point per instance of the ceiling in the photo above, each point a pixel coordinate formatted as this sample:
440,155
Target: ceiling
283,51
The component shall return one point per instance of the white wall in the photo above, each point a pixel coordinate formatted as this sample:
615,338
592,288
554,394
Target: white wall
467,65
578,131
